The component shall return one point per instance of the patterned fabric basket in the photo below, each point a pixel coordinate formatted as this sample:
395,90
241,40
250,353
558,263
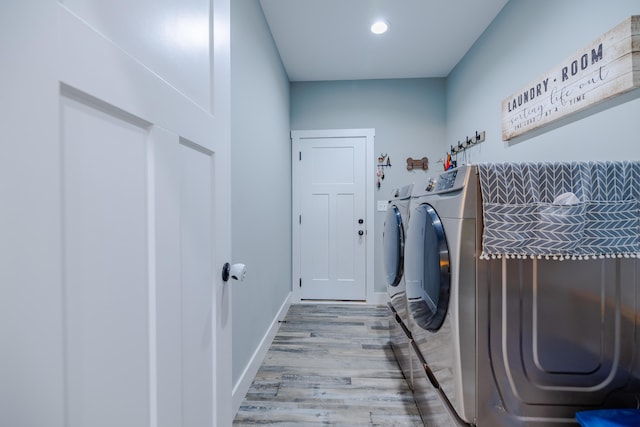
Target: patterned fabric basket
523,218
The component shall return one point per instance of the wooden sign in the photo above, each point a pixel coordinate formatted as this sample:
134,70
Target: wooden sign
604,69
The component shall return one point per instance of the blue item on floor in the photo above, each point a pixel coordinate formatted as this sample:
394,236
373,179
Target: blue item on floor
609,418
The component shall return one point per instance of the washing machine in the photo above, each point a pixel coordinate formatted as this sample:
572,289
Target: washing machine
440,274
394,235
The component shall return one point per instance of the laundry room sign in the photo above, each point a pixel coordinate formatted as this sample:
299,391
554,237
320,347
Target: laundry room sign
602,70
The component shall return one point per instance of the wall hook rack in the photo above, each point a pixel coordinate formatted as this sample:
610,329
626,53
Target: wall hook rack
468,142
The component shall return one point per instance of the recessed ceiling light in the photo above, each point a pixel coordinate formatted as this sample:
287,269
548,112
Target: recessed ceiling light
379,27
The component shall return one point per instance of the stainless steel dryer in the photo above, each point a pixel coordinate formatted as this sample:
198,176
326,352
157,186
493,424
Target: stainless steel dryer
440,274
394,235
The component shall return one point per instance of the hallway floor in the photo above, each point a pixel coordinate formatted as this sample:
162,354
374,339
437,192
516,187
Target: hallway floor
330,365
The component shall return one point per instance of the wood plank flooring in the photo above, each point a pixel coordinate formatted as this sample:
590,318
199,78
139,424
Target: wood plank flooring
330,365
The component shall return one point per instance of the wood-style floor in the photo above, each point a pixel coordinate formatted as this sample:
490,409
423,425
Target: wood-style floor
330,365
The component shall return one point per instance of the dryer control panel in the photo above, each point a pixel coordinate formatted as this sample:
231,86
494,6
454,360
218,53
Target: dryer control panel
447,180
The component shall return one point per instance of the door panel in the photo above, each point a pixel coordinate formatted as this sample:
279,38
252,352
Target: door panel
105,267
333,199
173,40
331,164
317,263
196,298
349,252
184,270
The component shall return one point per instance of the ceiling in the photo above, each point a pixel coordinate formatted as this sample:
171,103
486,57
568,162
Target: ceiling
330,39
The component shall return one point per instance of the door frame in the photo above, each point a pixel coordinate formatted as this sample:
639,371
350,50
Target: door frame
297,138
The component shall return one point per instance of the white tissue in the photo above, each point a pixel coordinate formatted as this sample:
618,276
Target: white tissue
566,199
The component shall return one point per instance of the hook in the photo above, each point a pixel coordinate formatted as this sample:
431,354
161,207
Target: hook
467,143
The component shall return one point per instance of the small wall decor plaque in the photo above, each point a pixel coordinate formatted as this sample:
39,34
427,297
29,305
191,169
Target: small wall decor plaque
422,163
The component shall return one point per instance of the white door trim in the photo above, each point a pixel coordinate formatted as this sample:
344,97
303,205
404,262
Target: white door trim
296,136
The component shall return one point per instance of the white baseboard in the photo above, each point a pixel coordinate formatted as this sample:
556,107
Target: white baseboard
378,298
242,386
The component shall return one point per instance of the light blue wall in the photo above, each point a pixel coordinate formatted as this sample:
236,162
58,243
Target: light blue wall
261,179
408,116
527,39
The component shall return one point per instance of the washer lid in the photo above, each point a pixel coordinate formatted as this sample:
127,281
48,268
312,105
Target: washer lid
427,268
393,246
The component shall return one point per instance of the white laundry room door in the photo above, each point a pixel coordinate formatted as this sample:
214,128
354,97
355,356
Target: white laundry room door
332,224
114,187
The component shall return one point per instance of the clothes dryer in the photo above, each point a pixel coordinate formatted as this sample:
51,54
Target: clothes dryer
394,237
440,274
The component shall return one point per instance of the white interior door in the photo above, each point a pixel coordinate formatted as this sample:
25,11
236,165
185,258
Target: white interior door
331,239
115,192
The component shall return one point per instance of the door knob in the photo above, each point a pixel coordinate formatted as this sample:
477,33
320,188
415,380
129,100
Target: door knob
236,271
226,269
361,221
360,232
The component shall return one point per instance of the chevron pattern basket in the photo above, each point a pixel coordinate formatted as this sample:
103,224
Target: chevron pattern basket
523,216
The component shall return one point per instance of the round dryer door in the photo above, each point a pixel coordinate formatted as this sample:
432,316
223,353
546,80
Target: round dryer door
393,243
427,271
